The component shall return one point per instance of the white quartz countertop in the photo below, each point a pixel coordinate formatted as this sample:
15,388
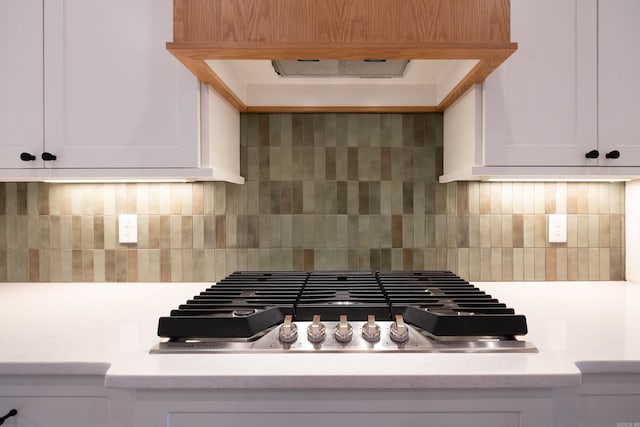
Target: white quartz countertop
108,329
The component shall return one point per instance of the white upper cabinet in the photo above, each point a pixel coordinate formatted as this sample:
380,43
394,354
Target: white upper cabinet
114,97
564,105
21,124
540,106
90,84
619,81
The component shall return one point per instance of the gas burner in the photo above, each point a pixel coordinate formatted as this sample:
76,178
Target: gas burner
422,311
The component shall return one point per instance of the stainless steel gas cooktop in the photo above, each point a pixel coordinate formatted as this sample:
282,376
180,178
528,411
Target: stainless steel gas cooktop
344,311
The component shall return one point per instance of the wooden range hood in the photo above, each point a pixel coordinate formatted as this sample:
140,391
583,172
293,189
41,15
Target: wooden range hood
230,30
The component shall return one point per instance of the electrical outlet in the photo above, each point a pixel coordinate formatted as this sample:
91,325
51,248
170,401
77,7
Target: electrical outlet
128,228
557,228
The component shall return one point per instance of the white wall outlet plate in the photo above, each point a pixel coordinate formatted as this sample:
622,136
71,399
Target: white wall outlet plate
128,228
557,228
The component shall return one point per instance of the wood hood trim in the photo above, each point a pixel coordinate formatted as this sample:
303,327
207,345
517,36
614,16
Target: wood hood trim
341,29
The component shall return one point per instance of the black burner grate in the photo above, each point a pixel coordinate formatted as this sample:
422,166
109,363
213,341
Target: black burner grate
247,303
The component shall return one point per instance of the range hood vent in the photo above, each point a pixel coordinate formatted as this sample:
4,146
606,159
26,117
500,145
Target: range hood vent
360,68
342,39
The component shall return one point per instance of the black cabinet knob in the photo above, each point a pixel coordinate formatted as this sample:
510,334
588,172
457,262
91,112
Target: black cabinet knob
593,154
11,413
27,157
612,154
47,157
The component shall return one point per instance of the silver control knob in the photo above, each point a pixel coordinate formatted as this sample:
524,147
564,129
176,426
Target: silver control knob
316,331
398,331
288,332
343,330
371,331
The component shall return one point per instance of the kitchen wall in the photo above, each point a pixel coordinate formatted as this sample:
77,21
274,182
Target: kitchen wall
323,191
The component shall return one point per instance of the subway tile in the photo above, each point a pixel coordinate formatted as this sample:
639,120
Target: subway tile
496,231
517,264
419,241
506,198
616,264
308,231
540,231
364,164
485,198
319,231
539,264
342,163
550,204
396,259
342,236
474,231
604,231
594,231
616,230
605,264
297,201
407,231
517,201
320,164
495,200
517,229
583,231
562,264
507,231
561,197
352,164
485,231
396,198
363,231
440,227
330,164
572,231
308,197
594,263
353,198
452,231
374,198
528,198
352,231
551,264
363,198
496,264
374,164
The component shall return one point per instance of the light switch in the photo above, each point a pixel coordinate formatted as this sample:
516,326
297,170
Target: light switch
557,228
128,228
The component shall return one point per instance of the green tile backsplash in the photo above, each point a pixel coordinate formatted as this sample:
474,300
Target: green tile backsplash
323,191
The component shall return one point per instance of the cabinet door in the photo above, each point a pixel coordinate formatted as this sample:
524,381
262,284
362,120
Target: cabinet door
20,82
56,411
540,106
114,96
619,81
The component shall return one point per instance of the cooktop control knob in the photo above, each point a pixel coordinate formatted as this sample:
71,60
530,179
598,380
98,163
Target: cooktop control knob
343,331
316,331
371,331
288,332
398,331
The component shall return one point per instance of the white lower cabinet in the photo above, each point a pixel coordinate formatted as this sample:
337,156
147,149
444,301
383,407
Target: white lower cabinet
603,400
349,418
56,411
610,400
62,401
271,408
